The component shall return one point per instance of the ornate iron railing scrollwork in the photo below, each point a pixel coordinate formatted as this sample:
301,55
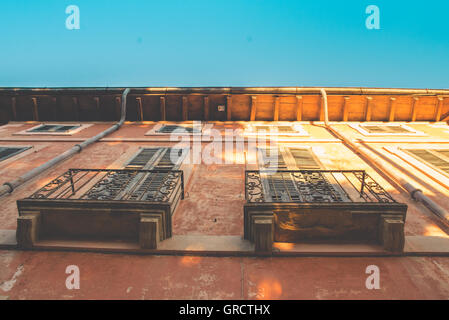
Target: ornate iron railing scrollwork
313,186
113,184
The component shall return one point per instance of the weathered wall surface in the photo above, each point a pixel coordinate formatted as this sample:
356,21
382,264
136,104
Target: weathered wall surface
215,192
214,206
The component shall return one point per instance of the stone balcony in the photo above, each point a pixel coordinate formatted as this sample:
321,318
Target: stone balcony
320,206
128,205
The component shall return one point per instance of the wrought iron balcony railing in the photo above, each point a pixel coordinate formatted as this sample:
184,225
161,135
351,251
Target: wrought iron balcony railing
313,186
113,185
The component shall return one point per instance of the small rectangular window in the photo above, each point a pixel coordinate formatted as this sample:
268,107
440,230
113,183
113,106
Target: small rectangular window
54,128
304,158
437,158
266,160
157,159
280,129
8,152
181,129
385,129
288,158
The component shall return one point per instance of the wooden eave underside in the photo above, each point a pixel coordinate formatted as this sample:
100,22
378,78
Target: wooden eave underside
223,104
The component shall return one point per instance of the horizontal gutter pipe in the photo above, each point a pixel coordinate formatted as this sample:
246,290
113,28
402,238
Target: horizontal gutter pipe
414,192
9,187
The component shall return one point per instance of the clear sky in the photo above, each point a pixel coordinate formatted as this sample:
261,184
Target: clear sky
224,43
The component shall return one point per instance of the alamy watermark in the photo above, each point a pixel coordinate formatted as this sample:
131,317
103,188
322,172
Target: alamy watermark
73,280
373,280
72,22
373,20
210,146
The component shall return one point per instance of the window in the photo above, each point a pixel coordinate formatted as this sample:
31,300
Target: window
280,186
54,129
281,129
171,128
287,129
178,129
157,159
8,152
304,158
288,158
266,160
385,129
437,158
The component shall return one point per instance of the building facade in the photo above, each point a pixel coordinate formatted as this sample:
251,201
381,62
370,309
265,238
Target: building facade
258,177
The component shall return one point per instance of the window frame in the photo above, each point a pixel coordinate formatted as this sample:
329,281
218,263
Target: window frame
288,158
194,124
16,155
157,156
73,131
251,129
360,128
424,162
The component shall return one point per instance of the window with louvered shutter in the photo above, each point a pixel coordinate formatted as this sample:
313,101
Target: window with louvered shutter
165,163
437,158
279,186
267,159
282,188
142,158
8,152
146,186
156,158
304,158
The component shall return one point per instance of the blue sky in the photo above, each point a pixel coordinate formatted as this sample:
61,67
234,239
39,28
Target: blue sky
224,43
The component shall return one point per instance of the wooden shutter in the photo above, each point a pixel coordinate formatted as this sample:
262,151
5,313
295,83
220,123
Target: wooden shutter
157,159
437,158
304,158
145,186
281,188
143,157
266,157
166,163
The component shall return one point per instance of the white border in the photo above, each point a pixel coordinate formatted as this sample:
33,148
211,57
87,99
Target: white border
24,153
195,124
250,129
27,132
360,129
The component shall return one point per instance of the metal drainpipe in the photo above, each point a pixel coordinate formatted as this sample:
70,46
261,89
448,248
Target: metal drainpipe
9,187
415,193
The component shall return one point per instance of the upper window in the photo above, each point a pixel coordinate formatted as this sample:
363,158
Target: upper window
157,159
54,129
385,129
278,129
438,158
288,158
8,152
179,129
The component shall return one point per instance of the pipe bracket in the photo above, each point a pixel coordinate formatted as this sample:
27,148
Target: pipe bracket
414,192
11,187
